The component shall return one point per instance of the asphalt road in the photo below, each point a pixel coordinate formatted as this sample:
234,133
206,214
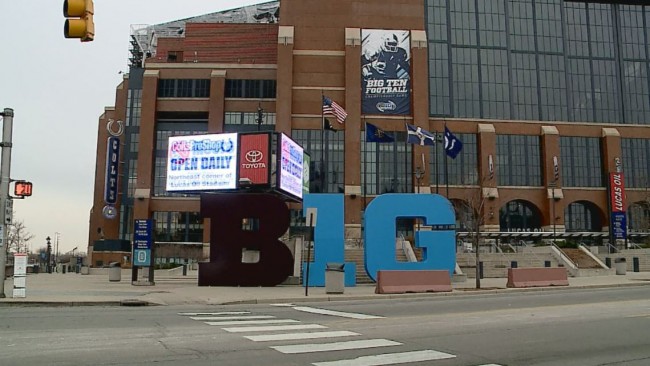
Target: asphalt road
565,327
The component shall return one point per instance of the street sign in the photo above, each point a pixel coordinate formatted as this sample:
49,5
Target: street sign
142,240
9,210
142,234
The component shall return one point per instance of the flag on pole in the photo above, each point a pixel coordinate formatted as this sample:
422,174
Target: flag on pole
453,145
419,136
331,108
376,134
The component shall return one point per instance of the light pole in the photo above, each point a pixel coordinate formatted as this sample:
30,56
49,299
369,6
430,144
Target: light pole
552,185
419,174
56,247
49,255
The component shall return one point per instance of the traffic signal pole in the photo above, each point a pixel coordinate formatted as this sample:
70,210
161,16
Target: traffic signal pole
7,127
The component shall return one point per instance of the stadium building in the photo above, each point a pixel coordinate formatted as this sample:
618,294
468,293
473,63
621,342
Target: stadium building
550,100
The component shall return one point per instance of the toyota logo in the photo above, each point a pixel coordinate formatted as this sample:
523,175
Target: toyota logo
254,156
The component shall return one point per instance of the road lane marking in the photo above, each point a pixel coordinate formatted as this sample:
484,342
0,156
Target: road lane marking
286,305
336,346
298,336
273,328
389,359
239,317
309,309
252,322
215,314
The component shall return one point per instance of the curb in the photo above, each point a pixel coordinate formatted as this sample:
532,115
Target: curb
131,302
455,292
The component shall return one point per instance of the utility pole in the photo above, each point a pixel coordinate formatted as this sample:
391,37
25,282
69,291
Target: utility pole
7,126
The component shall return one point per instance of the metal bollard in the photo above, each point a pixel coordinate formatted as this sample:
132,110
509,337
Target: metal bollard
480,270
635,264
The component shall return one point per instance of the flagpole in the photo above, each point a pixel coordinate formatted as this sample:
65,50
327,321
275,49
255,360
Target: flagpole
365,161
435,157
322,143
446,170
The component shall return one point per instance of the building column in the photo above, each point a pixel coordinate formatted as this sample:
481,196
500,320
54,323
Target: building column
352,161
553,220
283,120
146,147
420,96
216,107
487,176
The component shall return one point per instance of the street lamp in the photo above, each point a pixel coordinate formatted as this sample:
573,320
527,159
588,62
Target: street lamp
552,185
56,245
49,254
419,174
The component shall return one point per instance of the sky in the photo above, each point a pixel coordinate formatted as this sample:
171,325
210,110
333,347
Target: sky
58,89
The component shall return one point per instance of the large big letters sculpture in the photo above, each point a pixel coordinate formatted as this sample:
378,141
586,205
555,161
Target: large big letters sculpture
228,238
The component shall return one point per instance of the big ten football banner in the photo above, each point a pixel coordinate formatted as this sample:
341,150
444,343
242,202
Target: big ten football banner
385,71
618,222
255,158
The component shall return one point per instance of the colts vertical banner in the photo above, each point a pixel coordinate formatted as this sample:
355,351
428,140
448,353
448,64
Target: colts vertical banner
112,166
618,225
386,72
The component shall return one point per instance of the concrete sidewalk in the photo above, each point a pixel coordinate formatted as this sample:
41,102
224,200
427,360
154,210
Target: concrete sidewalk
73,289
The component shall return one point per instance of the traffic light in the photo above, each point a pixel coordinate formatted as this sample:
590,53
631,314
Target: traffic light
80,25
23,188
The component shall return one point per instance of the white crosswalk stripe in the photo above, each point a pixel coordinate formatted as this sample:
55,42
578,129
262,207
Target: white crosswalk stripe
389,359
298,336
239,317
215,314
272,328
309,309
253,322
336,346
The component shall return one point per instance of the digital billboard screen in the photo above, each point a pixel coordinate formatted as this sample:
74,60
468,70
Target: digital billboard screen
290,161
202,162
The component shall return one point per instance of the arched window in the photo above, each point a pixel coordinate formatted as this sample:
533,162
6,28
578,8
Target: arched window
519,215
582,216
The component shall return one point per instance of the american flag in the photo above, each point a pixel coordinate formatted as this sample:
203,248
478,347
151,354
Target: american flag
331,108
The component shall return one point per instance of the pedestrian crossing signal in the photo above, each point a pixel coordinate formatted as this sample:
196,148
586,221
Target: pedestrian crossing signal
23,189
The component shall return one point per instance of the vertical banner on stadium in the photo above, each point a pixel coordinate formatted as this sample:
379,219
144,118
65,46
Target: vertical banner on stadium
385,72
618,226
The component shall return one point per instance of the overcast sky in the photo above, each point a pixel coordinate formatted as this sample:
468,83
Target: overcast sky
58,88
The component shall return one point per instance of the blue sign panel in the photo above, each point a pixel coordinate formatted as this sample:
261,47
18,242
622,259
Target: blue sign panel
142,257
142,234
619,225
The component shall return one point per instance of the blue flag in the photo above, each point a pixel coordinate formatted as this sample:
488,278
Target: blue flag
419,136
453,145
376,134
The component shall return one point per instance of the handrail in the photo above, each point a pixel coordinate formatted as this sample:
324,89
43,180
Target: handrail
564,256
609,245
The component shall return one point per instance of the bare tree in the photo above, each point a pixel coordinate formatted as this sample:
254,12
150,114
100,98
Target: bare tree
18,237
471,211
